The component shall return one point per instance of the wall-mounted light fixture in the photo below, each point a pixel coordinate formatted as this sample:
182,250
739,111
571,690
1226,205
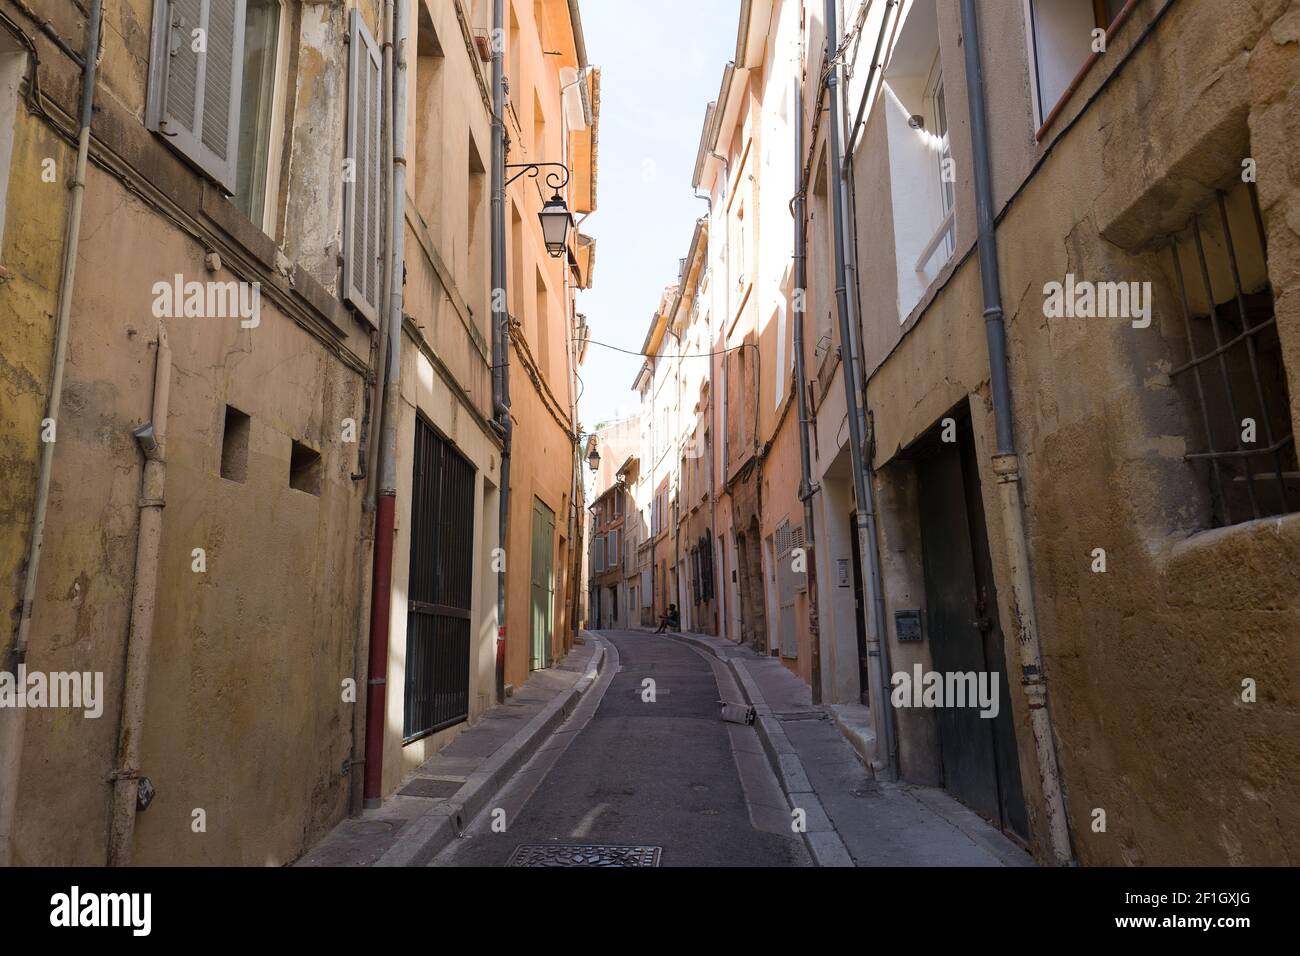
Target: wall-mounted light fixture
555,216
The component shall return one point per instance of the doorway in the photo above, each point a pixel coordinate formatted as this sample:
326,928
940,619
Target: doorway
543,585
439,586
859,609
980,764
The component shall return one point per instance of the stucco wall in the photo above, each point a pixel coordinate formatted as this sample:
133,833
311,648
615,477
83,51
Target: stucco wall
1145,662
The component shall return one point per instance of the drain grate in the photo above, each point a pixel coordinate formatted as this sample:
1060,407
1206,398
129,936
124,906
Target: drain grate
543,854
429,787
800,715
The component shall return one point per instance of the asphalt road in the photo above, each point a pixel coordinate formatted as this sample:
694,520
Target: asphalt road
635,773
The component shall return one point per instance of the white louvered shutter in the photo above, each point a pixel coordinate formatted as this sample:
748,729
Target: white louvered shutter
194,93
363,219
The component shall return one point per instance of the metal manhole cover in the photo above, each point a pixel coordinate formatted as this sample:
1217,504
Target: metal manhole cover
542,854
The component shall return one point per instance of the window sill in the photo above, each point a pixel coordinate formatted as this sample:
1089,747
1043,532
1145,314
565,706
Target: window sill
1278,525
218,210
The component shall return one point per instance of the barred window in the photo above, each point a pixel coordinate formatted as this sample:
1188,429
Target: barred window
1234,377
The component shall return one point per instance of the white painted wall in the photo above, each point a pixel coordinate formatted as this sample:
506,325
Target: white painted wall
915,189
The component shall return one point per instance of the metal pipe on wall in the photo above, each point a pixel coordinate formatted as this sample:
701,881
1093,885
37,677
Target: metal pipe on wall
1006,461
366,537
152,439
13,722
806,490
385,504
500,325
877,644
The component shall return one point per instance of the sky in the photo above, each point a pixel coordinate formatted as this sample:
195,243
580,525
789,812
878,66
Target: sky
661,64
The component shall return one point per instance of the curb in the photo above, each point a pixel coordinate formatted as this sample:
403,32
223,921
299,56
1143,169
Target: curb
430,833
823,842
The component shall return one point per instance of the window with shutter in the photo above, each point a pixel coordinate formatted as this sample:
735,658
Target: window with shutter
363,218
195,74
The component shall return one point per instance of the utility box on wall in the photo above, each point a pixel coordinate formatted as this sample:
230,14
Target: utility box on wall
907,625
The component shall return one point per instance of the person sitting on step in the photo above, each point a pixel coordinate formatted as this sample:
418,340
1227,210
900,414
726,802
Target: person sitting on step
671,619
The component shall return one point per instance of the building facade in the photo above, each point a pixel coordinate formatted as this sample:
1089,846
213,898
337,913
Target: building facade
227,328
1073,428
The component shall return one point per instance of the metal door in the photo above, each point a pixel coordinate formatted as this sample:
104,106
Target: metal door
980,763
543,584
439,586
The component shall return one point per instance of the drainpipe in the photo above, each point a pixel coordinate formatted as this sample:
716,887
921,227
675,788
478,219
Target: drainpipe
12,738
1006,462
500,324
806,489
366,538
152,438
877,646
385,505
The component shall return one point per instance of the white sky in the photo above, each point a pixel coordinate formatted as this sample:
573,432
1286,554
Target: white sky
661,63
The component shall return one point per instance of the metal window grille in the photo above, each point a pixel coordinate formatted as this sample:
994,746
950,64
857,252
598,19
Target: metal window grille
1234,367
439,587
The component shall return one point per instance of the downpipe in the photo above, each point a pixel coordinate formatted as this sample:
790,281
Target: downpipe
386,501
1006,462
152,439
12,723
500,327
877,645
806,490
366,537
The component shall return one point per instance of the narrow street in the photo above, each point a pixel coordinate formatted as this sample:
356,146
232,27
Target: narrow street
753,434
625,771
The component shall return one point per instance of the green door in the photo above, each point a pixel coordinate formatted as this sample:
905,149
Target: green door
543,577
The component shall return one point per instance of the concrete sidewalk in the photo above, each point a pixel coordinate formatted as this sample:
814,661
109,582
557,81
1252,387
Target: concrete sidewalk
433,805
876,823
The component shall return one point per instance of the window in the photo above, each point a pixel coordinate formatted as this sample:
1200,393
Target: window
257,111
613,548
1061,35
598,554
476,235
215,79
363,217
543,327
234,445
195,39
428,172
916,128
13,63
304,469
944,168
1234,379
778,321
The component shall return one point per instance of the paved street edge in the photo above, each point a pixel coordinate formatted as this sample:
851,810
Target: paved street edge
824,845
429,834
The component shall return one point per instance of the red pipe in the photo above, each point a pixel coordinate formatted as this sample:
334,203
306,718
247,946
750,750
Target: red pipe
377,687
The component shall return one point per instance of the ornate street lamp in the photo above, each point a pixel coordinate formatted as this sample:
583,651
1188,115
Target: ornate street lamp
593,459
555,216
